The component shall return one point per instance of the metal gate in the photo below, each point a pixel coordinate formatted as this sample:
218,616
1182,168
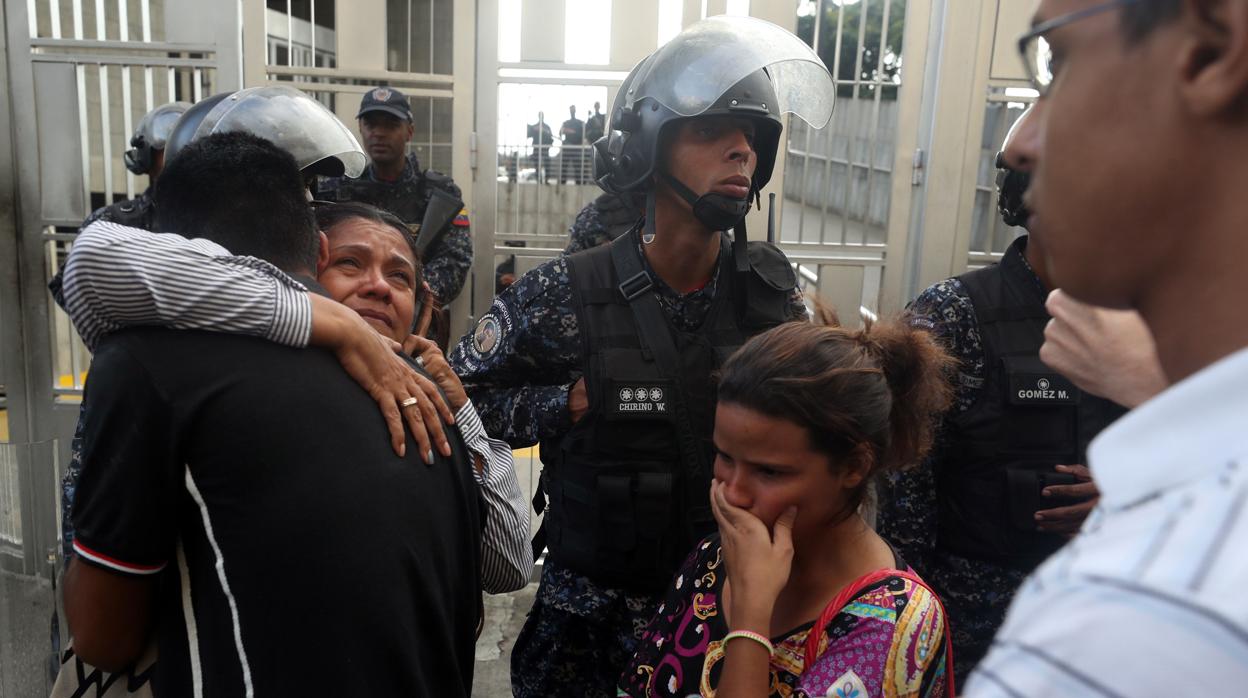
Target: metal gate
80,75
337,51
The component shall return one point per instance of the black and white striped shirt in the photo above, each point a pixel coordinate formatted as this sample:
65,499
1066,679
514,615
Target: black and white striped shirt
118,277
1148,599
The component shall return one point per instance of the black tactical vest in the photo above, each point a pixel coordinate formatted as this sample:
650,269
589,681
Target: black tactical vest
1000,452
138,212
626,506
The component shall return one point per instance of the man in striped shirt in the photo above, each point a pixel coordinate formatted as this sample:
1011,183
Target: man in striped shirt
1136,150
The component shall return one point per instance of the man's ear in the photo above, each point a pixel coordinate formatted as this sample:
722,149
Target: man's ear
322,254
410,130
1213,57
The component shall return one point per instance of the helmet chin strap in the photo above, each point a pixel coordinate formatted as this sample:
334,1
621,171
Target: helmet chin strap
715,211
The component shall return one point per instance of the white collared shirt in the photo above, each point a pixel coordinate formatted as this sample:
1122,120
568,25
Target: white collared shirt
1149,599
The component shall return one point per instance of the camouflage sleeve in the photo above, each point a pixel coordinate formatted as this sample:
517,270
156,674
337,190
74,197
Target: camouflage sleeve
908,510
447,268
587,231
523,355
797,305
945,310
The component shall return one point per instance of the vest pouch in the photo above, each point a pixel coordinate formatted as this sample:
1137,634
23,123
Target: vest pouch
771,283
632,532
1041,409
1024,489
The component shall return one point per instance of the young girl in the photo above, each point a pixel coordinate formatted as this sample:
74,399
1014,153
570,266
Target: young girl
807,415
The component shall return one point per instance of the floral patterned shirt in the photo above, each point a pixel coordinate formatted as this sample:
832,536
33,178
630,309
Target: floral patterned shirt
888,641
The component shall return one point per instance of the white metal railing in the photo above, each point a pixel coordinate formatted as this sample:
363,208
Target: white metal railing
840,178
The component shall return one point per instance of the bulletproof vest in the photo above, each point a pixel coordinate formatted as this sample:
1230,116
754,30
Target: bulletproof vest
626,504
1000,453
406,198
135,213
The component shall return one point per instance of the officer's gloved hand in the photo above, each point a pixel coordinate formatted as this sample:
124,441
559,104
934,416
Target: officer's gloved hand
1109,353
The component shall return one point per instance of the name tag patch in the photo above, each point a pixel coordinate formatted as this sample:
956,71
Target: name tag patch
1042,389
645,399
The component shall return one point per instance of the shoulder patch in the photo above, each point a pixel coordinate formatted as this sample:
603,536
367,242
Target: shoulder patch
491,331
461,220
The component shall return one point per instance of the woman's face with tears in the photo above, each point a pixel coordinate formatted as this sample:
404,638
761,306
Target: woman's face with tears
371,269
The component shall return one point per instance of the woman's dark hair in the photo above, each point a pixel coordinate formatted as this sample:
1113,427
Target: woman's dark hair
329,215
875,394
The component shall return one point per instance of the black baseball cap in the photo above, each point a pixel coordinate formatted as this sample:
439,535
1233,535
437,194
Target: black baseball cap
386,99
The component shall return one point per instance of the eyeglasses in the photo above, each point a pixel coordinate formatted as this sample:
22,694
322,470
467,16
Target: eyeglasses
1035,50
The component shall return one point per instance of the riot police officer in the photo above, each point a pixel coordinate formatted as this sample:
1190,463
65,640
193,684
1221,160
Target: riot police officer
1008,485
394,181
605,357
146,156
292,120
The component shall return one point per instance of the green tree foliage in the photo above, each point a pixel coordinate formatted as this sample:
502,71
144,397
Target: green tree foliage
848,14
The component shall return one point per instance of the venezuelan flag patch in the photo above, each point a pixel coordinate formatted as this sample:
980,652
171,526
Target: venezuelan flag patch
461,220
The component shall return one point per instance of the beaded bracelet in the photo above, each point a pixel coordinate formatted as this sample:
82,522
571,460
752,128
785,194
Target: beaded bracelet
750,635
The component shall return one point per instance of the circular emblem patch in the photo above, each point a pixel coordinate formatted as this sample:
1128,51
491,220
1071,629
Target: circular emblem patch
1043,384
626,394
641,393
485,338
656,395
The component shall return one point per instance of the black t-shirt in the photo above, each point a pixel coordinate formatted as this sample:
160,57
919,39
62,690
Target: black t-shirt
297,554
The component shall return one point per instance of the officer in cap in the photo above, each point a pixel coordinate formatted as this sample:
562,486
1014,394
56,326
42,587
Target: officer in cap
394,181
1009,484
146,156
605,357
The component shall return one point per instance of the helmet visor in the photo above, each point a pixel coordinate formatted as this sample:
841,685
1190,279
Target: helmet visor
290,119
692,71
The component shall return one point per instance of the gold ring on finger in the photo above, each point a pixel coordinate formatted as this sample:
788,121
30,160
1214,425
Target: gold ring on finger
409,402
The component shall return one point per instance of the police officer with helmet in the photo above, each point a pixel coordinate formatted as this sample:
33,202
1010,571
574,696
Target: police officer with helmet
288,117
606,357
395,181
1007,486
146,156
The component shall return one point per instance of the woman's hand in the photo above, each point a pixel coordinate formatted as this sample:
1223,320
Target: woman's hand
374,362
430,356
758,560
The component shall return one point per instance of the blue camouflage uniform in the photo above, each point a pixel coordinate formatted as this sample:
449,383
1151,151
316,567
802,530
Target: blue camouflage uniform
517,367
601,221
448,261
976,593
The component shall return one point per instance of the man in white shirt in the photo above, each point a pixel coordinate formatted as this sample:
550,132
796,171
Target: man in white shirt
1136,150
